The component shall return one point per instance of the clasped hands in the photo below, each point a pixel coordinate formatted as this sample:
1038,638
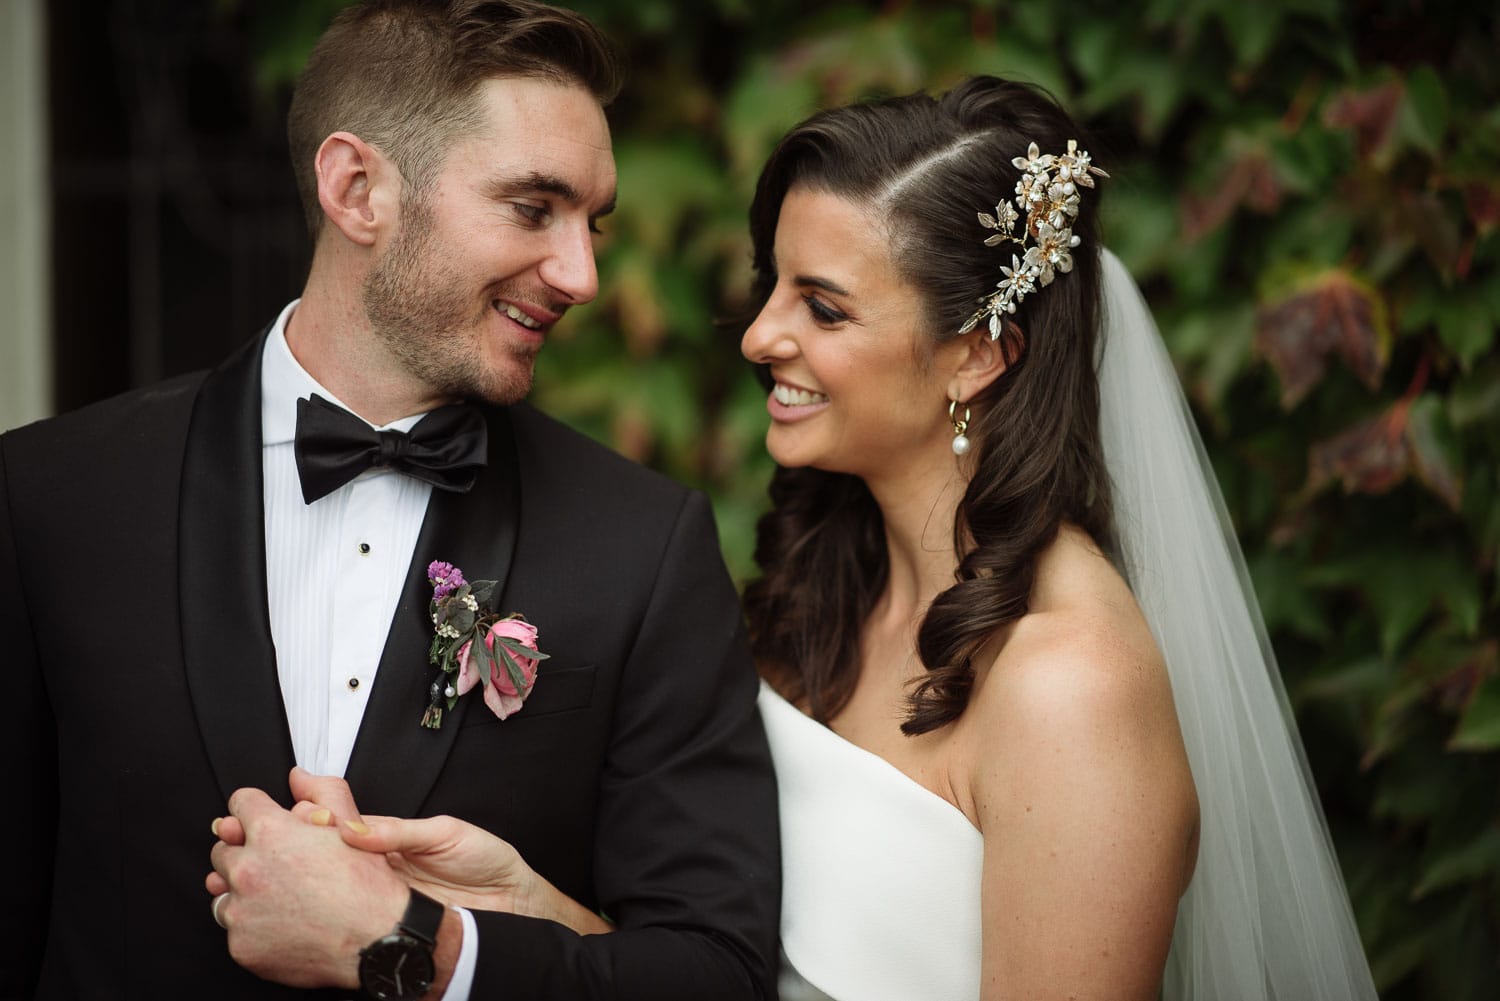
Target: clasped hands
301,891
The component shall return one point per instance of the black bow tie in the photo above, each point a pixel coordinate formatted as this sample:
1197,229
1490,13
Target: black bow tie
446,448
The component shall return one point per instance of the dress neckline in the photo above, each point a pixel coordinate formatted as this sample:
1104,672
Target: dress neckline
836,739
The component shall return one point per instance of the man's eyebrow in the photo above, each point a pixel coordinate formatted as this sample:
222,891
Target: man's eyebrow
538,183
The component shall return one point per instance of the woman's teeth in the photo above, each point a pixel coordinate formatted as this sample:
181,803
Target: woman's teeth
520,317
789,397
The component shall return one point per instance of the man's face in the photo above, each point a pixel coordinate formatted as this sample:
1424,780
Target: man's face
489,256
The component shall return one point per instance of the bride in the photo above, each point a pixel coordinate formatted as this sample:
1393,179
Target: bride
1028,731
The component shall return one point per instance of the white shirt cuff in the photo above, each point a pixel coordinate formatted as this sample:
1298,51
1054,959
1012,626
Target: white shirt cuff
462,981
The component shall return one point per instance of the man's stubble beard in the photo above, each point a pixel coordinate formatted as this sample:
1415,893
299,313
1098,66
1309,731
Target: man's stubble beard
425,315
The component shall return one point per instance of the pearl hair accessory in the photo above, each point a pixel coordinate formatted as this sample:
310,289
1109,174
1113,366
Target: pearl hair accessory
960,425
1048,193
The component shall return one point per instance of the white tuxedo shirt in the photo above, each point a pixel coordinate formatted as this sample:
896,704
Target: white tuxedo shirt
334,573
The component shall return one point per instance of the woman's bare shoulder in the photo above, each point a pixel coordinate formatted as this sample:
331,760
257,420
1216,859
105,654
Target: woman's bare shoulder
1078,686
1081,787
1083,648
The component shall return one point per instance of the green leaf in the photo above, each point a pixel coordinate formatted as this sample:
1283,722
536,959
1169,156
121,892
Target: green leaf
764,103
1403,587
1286,602
520,649
1366,677
1016,58
1436,452
1475,398
1397,960
517,676
483,591
1143,225
482,660
1411,788
1212,347
1394,722
1251,29
1479,727
1423,119
1466,325
1479,857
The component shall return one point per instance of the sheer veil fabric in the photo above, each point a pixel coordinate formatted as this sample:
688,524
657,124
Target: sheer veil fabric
1266,917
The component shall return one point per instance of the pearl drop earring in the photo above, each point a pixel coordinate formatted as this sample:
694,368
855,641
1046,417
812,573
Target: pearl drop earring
960,425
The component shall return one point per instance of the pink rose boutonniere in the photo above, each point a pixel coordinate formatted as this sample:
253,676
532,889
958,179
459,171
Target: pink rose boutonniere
503,662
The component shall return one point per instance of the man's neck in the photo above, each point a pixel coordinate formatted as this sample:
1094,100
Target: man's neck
331,339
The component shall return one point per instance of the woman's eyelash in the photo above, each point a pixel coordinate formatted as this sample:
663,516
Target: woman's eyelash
821,311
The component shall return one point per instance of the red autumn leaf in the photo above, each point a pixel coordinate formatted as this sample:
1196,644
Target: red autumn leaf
1457,688
1483,201
1376,454
1421,214
1334,312
1369,458
1370,113
1250,181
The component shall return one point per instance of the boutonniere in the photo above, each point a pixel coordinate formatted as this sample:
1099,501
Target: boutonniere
476,645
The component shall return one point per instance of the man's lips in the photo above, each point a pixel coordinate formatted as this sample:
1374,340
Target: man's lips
531,317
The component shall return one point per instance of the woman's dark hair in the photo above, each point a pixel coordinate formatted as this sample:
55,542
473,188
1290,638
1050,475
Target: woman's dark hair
926,167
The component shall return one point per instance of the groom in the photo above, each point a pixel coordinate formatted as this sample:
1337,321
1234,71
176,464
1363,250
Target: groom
208,581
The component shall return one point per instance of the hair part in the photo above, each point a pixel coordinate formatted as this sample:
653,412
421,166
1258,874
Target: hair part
927,166
404,76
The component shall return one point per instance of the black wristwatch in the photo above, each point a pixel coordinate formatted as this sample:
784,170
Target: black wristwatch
399,966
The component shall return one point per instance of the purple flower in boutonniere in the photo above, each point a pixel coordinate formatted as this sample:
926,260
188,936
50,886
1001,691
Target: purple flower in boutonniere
504,661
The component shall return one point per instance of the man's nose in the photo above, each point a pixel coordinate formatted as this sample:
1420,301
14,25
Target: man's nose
569,269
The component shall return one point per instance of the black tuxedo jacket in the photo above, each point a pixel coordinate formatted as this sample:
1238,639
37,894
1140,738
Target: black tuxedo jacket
141,690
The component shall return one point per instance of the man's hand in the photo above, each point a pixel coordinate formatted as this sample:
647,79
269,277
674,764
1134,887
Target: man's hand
320,799
301,903
449,860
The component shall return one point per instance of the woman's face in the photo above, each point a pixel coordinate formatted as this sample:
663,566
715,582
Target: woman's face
860,388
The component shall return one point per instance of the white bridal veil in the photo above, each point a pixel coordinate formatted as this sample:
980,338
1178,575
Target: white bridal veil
1267,917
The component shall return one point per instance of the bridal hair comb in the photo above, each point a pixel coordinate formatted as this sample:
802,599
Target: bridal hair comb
1048,195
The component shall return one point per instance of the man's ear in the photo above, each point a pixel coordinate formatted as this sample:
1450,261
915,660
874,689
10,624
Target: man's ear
358,188
982,360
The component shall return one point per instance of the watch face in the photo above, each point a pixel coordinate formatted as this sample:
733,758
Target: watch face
396,968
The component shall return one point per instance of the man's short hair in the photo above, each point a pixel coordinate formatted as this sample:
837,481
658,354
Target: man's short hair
404,76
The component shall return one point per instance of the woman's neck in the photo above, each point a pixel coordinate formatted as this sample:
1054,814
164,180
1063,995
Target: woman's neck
918,510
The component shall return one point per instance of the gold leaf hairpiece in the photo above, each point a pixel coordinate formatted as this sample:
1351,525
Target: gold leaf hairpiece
1047,194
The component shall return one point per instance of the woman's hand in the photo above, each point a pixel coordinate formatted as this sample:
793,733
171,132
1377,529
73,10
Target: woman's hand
446,858
449,860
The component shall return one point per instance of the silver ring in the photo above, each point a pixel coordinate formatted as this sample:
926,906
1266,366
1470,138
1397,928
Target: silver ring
217,901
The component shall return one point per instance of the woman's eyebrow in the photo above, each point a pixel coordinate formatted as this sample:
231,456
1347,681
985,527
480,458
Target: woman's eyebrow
822,283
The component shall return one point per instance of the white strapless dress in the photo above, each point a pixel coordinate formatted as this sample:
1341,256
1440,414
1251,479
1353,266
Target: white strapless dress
880,876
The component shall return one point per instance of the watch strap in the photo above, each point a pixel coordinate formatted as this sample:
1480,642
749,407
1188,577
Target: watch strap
422,919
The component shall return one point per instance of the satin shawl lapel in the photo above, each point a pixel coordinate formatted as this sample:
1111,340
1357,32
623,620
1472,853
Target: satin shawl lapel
395,760
226,622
